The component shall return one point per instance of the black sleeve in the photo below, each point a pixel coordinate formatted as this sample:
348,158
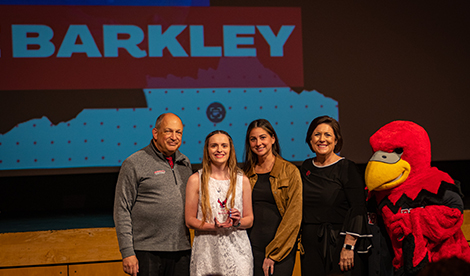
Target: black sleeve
453,200
355,222
355,191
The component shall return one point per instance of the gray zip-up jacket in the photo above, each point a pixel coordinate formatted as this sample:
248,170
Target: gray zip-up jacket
149,203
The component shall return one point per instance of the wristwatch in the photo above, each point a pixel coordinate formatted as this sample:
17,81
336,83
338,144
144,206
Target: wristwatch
348,246
238,224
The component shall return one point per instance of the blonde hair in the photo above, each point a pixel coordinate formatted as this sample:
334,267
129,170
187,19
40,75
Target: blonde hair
207,170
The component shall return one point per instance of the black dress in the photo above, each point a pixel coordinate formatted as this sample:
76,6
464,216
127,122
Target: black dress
334,204
267,218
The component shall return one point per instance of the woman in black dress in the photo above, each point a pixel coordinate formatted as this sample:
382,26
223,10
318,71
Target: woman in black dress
334,225
277,202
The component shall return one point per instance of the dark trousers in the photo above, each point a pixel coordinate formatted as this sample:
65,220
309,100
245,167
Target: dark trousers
313,262
158,263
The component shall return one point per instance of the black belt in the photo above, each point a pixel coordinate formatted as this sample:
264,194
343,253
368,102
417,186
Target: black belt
328,236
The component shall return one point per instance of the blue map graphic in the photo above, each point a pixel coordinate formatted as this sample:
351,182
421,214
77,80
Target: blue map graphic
105,137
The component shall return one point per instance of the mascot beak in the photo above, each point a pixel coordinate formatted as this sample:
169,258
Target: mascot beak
386,170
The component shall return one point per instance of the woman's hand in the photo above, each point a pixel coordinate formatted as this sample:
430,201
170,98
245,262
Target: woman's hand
226,224
268,267
346,259
235,215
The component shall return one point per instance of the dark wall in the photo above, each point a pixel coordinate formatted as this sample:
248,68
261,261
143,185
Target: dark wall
56,195
389,60
90,194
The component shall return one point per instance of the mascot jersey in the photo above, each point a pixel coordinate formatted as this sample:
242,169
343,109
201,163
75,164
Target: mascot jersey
421,206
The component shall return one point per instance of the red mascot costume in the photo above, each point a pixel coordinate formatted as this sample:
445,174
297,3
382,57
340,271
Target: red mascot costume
421,206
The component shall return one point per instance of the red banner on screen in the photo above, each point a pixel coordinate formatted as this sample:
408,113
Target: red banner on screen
113,47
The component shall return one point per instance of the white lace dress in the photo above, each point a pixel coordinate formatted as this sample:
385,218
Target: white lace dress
226,252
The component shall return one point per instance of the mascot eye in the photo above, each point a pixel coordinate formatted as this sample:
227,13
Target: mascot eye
398,150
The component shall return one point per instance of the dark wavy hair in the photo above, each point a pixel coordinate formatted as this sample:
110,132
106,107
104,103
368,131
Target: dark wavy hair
333,124
250,158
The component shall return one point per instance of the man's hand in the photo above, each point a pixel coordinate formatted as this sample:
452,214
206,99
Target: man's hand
130,265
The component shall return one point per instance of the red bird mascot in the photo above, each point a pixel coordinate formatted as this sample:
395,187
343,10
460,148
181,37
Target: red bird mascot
421,206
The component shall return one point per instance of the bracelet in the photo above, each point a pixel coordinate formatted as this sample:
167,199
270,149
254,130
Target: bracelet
348,246
238,224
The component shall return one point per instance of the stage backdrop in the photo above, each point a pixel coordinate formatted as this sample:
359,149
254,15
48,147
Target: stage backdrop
83,85
82,82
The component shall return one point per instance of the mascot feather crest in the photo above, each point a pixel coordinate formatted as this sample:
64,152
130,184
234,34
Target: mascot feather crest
421,205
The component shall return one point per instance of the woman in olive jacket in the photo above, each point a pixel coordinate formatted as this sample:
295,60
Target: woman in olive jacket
277,201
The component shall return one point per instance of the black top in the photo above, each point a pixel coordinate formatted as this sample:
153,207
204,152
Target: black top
335,194
266,215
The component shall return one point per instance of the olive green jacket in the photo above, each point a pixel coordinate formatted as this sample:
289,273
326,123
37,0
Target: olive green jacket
286,186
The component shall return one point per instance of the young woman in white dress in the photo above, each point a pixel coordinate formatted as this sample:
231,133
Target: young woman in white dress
218,207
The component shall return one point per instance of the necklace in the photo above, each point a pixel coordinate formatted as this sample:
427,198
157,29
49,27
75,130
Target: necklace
219,184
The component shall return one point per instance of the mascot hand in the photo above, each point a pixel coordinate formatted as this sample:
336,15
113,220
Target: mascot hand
407,236
437,222
399,225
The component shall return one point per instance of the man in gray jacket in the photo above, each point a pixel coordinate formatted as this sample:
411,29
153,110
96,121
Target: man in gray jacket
149,205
